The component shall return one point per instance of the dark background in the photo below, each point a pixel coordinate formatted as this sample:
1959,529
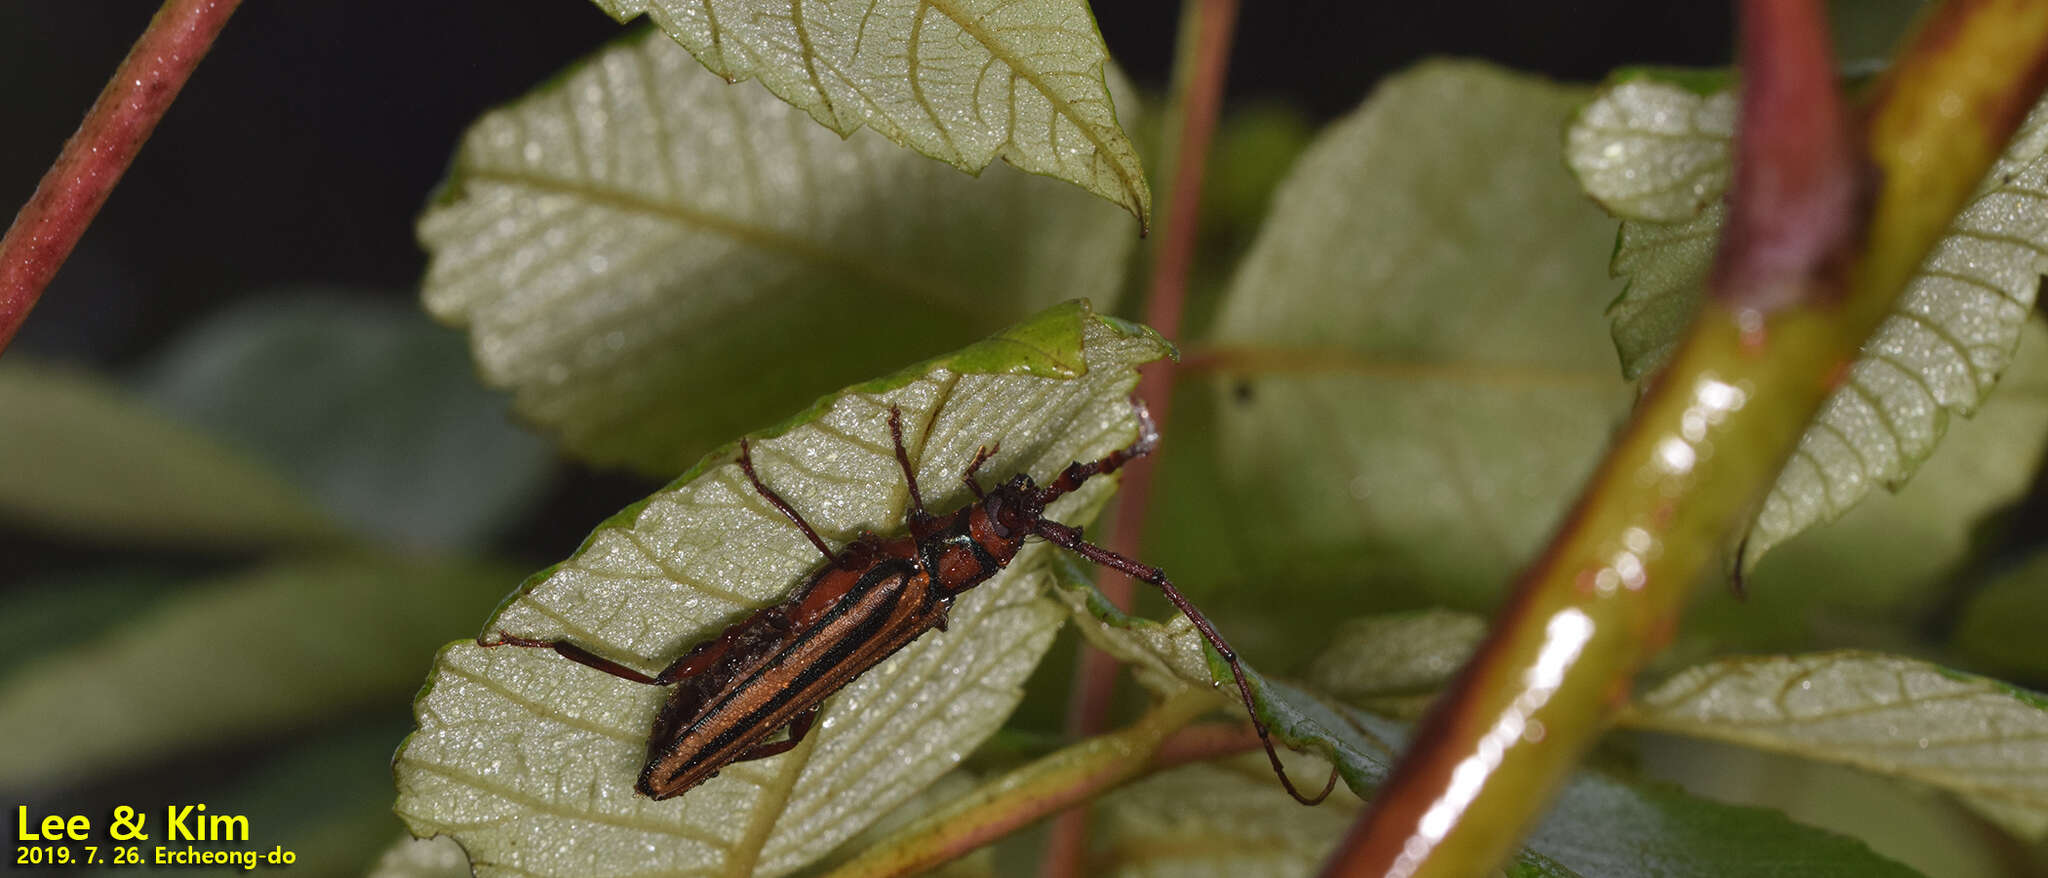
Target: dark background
307,141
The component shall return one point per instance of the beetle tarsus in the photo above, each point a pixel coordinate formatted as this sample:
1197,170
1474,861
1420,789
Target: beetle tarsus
586,658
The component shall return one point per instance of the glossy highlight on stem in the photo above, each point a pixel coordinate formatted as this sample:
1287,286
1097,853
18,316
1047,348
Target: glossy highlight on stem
1595,607
1705,444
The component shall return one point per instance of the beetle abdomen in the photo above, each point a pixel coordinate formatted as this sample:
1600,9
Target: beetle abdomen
878,611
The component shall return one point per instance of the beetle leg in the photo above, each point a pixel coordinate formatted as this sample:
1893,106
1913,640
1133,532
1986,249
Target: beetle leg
981,456
580,656
1076,473
669,676
747,466
1070,538
799,726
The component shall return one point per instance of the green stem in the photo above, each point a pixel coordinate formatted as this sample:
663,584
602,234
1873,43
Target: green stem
1069,777
92,161
1686,474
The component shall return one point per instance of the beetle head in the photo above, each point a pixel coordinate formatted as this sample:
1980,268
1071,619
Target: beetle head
1012,509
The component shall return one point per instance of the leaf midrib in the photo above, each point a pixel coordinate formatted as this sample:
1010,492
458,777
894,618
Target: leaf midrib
1060,105
754,235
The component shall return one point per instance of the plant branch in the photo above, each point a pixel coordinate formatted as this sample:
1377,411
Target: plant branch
1203,57
92,161
1069,777
1790,305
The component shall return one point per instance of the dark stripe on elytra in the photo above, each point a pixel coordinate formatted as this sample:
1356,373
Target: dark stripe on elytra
750,723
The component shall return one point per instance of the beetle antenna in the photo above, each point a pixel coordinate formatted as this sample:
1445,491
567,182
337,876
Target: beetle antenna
981,456
1070,538
918,517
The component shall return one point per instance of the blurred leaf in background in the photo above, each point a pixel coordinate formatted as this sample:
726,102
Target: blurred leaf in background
370,410
1405,384
87,460
297,470
630,244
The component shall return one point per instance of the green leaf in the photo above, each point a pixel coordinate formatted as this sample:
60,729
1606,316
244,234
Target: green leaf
1907,822
1892,555
375,412
1647,149
437,857
86,460
529,760
1221,818
2000,628
1951,334
654,260
335,833
1231,819
1407,380
1666,266
947,789
287,646
1885,714
1599,826
1404,654
1603,827
963,81
51,613
1255,146
1172,656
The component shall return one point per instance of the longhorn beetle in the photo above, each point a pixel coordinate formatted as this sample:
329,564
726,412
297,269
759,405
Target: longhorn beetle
773,668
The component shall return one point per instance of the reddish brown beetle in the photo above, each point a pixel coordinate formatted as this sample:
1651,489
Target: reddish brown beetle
870,599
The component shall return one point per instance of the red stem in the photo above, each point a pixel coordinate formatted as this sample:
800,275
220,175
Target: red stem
1201,103
141,89
1206,742
1472,781
1796,171
1172,261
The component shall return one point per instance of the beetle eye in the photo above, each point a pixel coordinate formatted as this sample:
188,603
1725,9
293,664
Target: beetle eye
995,512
